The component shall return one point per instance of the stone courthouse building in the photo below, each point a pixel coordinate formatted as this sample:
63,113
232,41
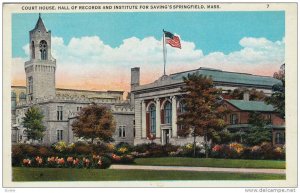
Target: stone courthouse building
60,106
149,116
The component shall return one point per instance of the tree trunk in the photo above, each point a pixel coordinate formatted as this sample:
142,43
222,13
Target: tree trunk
194,143
205,142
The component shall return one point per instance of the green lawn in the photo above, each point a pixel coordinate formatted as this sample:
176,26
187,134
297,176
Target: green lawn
210,162
71,174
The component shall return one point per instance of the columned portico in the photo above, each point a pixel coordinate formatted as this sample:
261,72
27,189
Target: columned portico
143,119
158,129
174,117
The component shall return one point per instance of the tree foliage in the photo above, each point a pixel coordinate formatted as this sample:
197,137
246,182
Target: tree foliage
94,122
33,122
258,131
254,95
277,99
204,111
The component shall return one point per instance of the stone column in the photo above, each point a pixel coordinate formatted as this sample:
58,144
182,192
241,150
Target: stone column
174,117
158,130
143,119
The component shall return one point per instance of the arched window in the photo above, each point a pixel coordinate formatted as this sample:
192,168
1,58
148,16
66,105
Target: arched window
168,112
152,119
32,50
181,107
43,49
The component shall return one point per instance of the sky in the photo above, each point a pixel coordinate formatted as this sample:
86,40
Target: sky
96,50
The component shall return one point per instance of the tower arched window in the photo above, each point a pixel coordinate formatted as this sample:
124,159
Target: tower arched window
168,112
43,50
32,50
152,119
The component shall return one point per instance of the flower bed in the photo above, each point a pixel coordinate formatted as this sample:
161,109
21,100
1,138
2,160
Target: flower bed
239,151
79,155
100,162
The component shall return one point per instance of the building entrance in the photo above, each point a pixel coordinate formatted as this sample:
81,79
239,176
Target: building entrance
166,136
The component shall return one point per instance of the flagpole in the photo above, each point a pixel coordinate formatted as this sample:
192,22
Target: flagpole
164,52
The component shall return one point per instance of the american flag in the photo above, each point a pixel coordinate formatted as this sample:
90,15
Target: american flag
172,40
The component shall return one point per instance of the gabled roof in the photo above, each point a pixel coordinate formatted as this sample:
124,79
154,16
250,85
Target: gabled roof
251,105
230,77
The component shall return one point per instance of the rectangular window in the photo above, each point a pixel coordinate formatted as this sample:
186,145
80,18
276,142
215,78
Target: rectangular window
122,132
59,134
79,108
279,138
30,87
133,128
59,113
233,119
269,118
30,83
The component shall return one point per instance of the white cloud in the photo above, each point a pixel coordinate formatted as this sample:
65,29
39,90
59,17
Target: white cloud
87,59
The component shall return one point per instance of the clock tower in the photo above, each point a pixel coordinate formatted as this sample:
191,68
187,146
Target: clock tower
40,69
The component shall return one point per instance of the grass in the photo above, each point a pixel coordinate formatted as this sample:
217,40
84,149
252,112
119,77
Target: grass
73,174
210,162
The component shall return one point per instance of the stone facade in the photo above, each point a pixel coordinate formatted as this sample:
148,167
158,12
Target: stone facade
60,106
157,104
40,69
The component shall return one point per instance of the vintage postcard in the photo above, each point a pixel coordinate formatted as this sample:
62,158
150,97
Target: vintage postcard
150,95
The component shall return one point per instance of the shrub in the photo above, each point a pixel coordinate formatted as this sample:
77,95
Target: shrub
17,155
235,150
279,152
98,148
127,159
267,150
60,146
82,149
141,148
28,150
44,151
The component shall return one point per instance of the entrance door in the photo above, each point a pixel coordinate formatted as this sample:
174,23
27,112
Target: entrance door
166,136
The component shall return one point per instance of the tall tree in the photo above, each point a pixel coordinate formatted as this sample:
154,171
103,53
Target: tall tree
33,122
258,131
94,122
277,99
203,114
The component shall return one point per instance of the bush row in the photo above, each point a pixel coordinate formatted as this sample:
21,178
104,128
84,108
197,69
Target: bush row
125,153
238,151
63,151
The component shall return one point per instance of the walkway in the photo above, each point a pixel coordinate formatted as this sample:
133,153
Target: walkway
199,169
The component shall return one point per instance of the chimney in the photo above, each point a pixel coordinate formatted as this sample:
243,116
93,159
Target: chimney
135,81
246,96
135,77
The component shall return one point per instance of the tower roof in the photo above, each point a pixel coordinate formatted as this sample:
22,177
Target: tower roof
40,24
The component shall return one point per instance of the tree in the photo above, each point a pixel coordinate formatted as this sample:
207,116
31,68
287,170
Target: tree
203,114
258,131
277,99
254,95
33,122
94,122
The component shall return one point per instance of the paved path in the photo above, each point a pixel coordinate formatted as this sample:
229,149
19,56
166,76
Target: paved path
199,169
